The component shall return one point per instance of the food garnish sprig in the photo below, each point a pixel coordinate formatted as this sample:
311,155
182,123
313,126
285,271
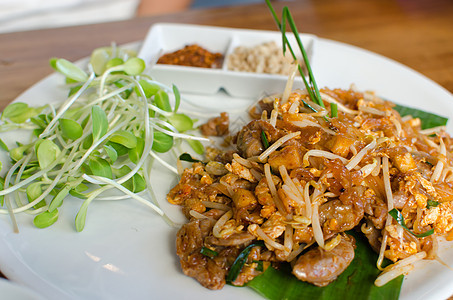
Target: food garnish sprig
105,136
310,84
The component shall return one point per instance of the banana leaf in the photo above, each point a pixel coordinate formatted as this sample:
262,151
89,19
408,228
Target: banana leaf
356,282
428,119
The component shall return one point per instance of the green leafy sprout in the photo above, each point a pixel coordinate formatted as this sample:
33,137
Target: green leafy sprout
105,136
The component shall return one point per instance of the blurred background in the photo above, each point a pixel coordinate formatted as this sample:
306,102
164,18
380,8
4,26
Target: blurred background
22,15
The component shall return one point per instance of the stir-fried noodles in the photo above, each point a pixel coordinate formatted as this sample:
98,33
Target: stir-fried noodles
299,180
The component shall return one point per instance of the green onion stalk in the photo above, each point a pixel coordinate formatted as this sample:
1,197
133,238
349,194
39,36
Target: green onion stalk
310,84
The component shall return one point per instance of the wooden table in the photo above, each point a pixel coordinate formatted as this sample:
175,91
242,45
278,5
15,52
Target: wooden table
417,33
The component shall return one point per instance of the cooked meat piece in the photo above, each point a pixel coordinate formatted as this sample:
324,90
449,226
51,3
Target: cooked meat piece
217,126
189,241
249,138
245,202
209,272
191,235
334,216
204,270
224,157
321,267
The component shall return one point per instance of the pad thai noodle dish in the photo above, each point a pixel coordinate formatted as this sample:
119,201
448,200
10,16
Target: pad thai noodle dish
299,178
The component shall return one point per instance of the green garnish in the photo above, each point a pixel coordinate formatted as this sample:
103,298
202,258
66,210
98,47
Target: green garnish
3,146
333,110
264,140
2,198
208,252
187,157
310,85
177,97
45,219
104,137
431,203
396,214
196,146
237,265
309,106
259,265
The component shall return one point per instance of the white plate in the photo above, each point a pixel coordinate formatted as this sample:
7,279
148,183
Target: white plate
128,252
165,38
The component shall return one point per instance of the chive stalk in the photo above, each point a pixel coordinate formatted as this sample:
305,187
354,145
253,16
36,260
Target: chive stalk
240,261
333,110
264,140
396,214
431,203
310,85
208,252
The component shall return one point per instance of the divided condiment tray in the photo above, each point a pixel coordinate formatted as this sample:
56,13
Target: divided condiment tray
168,37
